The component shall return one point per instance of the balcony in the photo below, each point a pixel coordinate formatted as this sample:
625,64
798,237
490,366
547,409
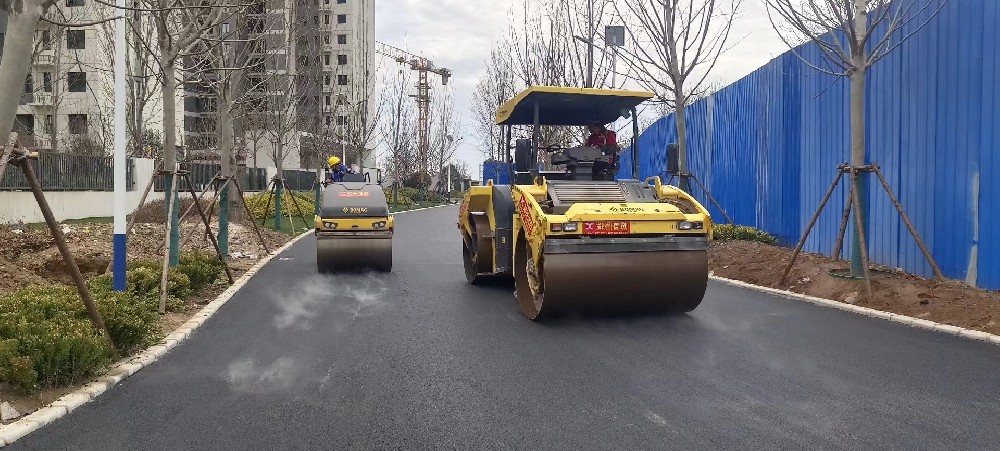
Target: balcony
45,59
40,100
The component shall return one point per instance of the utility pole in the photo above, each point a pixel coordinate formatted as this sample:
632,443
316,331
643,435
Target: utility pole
120,140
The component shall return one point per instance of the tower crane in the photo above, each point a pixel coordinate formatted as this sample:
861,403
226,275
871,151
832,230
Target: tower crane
422,66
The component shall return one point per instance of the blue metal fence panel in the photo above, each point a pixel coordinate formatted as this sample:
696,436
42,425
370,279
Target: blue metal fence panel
767,146
496,171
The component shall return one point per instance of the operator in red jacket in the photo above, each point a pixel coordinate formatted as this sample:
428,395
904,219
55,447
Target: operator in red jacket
606,140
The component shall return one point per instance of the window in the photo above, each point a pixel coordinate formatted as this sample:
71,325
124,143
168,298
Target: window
46,40
326,59
77,81
76,39
326,19
342,80
341,1
47,81
326,2
48,123
78,124
328,120
341,39
341,18
225,28
72,3
326,80
29,84
341,120
326,39
24,124
342,60
316,20
328,102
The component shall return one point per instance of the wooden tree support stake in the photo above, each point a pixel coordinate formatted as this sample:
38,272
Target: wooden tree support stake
854,203
243,200
208,226
812,222
705,190
21,158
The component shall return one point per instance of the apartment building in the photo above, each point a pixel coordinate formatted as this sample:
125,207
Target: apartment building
308,62
68,94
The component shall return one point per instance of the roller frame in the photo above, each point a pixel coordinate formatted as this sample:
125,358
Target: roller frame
355,246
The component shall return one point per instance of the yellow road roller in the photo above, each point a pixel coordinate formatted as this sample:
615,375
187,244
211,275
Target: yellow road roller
578,239
354,228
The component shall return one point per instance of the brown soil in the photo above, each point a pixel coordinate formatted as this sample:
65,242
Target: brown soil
948,302
28,255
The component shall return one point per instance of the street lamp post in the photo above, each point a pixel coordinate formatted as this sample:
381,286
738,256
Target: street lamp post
120,180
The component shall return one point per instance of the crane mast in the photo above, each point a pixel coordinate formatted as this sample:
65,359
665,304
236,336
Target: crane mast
422,66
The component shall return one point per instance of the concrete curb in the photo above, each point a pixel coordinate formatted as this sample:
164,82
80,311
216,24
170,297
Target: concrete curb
894,317
57,409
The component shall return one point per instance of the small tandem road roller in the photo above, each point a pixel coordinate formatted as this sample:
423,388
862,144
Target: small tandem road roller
353,228
578,239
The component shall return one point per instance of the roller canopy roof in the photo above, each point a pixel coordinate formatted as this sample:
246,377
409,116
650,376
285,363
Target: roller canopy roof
569,106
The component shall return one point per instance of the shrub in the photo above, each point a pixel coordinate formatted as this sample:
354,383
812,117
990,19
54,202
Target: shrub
53,334
404,199
16,369
132,324
728,232
47,340
201,268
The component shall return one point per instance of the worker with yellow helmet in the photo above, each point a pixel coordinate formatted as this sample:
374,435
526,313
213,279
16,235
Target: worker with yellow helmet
337,171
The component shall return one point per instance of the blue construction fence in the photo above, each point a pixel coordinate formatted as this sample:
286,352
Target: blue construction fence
768,146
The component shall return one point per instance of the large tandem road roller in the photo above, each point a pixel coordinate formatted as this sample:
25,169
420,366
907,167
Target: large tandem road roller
577,239
353,228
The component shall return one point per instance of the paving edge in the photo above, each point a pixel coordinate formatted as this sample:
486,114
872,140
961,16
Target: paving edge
118,372
894,317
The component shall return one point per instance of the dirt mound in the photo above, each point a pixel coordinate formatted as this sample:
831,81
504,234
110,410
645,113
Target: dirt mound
949,302
91,264
155,212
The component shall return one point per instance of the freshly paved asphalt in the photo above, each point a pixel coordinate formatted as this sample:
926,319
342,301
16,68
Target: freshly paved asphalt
419,359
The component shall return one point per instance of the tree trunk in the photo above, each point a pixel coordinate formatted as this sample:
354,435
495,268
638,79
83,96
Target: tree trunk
279,165
680,115
227,163
170,158
858,159
858,136
17,50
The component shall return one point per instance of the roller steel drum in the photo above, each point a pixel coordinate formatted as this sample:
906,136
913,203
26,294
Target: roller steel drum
612,283
353,252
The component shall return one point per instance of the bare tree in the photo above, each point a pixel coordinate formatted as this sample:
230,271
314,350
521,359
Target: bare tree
495,87
399,127
358,128
676,44
443,128
851,35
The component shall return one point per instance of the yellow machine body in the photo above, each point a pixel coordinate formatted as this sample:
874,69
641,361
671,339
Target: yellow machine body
593,246
354,228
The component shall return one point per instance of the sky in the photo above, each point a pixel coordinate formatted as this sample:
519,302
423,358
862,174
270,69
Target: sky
458,35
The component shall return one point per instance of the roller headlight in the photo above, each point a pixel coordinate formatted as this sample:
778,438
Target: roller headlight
378,225
330,225
687,225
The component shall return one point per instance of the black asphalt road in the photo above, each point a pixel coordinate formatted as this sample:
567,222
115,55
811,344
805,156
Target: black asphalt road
419,359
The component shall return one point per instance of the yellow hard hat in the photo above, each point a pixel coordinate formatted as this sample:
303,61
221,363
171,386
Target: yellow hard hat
334,160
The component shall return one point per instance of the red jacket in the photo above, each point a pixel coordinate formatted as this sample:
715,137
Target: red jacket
605,138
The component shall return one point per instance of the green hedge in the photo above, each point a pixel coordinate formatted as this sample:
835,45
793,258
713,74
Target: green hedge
260,207
46,338
731,232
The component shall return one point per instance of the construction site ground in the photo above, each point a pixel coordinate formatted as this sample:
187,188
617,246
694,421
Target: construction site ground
948,302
